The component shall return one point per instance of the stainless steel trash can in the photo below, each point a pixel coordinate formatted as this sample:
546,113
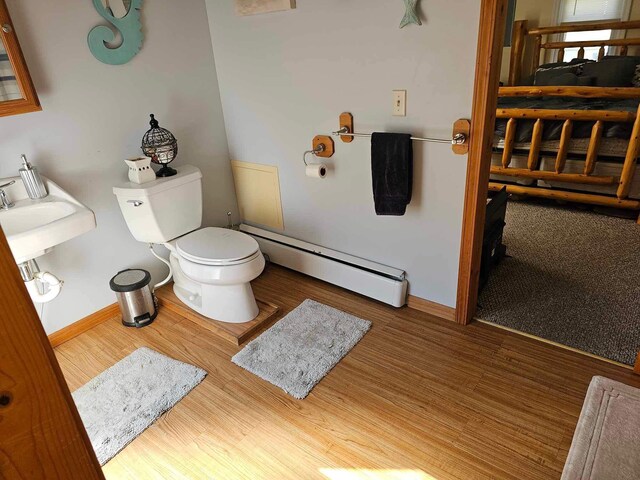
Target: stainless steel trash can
137,303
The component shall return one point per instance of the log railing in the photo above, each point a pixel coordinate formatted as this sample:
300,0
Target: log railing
537,39
587,177
579,92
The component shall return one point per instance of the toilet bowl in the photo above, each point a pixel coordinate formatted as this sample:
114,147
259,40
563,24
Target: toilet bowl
211,267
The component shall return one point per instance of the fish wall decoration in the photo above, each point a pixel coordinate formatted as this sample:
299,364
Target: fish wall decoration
410,16
101,38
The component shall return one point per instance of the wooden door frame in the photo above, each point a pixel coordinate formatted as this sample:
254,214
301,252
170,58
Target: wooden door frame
41,433
485,99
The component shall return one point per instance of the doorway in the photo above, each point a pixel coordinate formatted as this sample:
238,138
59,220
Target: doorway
543,175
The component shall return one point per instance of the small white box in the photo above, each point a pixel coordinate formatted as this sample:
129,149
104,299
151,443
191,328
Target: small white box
140,170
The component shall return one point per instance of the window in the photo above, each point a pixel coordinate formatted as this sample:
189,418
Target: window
585,11
590,53
575,11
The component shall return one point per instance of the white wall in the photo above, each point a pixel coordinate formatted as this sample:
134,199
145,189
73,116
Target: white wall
285,77
94,116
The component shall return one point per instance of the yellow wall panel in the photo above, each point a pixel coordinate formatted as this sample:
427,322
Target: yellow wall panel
258,192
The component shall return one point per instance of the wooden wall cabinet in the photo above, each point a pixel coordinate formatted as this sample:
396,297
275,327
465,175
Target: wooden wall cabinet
17,93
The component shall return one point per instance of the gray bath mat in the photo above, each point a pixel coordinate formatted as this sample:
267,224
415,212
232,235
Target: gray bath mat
606,444
299,350
124,400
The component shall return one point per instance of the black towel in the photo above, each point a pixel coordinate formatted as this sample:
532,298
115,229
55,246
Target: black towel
392,172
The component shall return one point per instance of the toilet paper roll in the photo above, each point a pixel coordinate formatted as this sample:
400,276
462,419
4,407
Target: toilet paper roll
317,171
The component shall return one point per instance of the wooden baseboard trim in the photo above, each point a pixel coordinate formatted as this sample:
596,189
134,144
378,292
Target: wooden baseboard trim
81,326
432,308
636,367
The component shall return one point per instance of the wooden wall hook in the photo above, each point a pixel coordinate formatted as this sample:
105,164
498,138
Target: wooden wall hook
329,147
346,121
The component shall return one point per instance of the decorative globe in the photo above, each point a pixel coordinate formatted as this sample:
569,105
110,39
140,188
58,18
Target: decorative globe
160,144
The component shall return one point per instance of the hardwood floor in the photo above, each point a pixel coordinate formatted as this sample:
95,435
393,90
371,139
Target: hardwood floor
419,398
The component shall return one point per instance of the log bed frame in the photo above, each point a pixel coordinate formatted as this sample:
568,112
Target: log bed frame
539,39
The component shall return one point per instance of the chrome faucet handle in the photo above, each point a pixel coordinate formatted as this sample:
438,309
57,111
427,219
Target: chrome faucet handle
5,203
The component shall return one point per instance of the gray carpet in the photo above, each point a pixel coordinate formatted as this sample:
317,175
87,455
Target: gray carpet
606,443
124,400
573,278
299,350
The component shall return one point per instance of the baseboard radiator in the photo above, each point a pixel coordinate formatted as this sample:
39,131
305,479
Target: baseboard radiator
371,279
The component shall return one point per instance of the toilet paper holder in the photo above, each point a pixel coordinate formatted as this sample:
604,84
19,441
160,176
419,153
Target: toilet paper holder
316,151
323,146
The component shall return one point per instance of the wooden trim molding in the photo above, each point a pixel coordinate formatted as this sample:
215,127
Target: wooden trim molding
483,116
81,326
432,308
636,368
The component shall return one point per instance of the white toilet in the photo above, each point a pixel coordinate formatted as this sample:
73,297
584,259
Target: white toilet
212,267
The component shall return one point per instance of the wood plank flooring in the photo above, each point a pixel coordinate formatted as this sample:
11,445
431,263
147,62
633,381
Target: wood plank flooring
417,399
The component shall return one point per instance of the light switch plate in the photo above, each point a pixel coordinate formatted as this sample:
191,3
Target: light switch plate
399,103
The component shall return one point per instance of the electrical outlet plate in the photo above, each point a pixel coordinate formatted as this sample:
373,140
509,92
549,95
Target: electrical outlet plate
399,103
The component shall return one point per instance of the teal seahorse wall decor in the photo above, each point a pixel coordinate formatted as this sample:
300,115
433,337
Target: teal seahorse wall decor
411,16
130,28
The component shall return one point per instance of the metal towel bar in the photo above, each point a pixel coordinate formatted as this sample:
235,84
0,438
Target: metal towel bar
457,139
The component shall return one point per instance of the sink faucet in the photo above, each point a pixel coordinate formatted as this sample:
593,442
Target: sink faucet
5,204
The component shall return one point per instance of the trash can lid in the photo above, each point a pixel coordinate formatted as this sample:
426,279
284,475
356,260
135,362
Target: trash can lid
130,280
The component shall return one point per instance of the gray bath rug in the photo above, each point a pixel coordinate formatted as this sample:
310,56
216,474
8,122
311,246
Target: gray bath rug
124,400
606,444
299,350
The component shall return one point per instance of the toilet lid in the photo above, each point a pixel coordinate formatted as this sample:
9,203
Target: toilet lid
216,246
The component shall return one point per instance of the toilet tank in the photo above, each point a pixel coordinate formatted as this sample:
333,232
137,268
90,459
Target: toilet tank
164,209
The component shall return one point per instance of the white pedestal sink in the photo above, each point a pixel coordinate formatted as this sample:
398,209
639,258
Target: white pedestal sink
34,227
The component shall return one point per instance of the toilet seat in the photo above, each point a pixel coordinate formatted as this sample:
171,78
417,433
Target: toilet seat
217,247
